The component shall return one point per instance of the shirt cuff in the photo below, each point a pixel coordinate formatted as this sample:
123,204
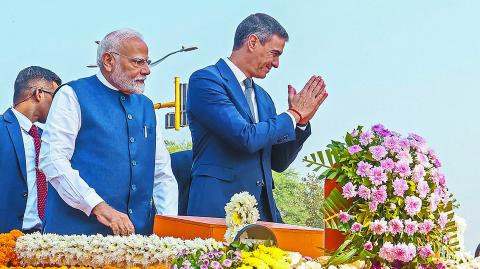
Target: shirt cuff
303,128
292,117
91,201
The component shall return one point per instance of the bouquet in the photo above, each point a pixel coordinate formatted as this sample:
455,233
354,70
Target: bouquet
392,204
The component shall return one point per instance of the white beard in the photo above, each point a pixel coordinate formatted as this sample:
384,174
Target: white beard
126,84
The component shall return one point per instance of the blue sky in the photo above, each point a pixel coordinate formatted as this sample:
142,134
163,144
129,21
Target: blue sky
412,65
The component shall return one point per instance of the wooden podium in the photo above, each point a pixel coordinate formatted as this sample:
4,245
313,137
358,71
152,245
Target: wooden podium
307,241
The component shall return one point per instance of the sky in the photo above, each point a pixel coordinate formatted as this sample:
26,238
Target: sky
413,66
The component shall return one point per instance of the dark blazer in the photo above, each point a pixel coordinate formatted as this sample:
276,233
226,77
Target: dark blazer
231,153
182,167
13,175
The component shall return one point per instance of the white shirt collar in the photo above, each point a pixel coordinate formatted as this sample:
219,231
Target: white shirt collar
105,82
23,121
236,71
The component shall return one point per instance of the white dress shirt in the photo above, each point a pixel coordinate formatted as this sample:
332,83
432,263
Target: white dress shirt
58,145
241,77
30,217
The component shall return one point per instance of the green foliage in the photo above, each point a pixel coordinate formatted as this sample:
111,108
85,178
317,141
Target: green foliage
173,146
299,200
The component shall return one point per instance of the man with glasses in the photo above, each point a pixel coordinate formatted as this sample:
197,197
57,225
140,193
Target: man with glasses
102,151
24,189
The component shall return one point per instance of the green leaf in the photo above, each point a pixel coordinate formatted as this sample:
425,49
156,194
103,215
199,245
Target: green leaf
328,152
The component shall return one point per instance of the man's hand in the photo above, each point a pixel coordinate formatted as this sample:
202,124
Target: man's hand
308,100
117,221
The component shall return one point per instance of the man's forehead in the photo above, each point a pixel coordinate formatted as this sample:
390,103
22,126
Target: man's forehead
276,43
134,46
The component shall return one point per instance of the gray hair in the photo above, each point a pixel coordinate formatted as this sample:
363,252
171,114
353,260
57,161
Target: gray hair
261,25
113,41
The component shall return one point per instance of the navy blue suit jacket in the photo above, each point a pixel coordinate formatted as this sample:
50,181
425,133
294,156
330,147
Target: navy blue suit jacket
231,153
13,175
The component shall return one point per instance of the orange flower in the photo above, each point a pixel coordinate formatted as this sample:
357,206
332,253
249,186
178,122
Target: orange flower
7,248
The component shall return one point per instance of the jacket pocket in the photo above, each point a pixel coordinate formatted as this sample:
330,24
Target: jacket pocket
216,171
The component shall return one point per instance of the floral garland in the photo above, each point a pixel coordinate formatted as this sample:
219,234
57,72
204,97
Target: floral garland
393,205
240,211
7,248
101,251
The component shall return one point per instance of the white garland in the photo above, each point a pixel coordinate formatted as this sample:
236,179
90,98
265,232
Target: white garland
240,211
100,251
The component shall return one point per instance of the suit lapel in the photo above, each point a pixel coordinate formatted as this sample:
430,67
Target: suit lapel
16,135
238,97
262,103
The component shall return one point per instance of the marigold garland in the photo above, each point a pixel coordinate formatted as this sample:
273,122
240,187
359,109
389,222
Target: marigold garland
7,248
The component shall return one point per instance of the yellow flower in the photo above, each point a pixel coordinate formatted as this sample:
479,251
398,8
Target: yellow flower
236,218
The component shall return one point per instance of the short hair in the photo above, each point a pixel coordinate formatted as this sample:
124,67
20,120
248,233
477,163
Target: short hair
29,74
260,24
112,42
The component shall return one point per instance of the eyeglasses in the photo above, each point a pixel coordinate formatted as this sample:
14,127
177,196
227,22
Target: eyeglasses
52,94
137,62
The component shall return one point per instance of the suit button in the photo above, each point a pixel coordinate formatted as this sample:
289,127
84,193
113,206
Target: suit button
122,98
130,117
132,139
260,183
130,211
134,187
25,194
134,163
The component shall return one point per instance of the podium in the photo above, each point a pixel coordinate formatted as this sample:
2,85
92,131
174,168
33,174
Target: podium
307,241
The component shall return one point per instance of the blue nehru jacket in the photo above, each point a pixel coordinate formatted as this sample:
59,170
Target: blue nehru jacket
13,175
114,154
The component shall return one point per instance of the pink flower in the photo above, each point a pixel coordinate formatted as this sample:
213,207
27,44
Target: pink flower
368,246
356,227
399,186
422,159
442,220
411,227
386,252
378,152
395,226
372,206
425,251
380,130
364,192
403,169
423,189
378,226
404,144
366,138
425,227
363,168
391,143
348,191
413,205
354,149
418,173
379,195
344,217
404,156
377,176
434,202
404,252
354,133
387,164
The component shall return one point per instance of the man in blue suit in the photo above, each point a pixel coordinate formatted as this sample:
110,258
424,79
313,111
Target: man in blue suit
238,137
23,198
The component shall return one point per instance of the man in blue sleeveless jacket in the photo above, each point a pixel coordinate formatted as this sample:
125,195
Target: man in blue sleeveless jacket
24,189
102,152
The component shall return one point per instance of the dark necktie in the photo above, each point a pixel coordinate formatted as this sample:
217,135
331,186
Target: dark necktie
41,180
249,96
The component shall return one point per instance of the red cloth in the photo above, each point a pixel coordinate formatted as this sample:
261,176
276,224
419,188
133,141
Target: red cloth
41,179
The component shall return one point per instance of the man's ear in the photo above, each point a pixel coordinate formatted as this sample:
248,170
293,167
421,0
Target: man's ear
252,42
108,62
38,95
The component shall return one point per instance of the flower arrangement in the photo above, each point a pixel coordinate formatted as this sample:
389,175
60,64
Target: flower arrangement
7,248
240,211
393,206
101,251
